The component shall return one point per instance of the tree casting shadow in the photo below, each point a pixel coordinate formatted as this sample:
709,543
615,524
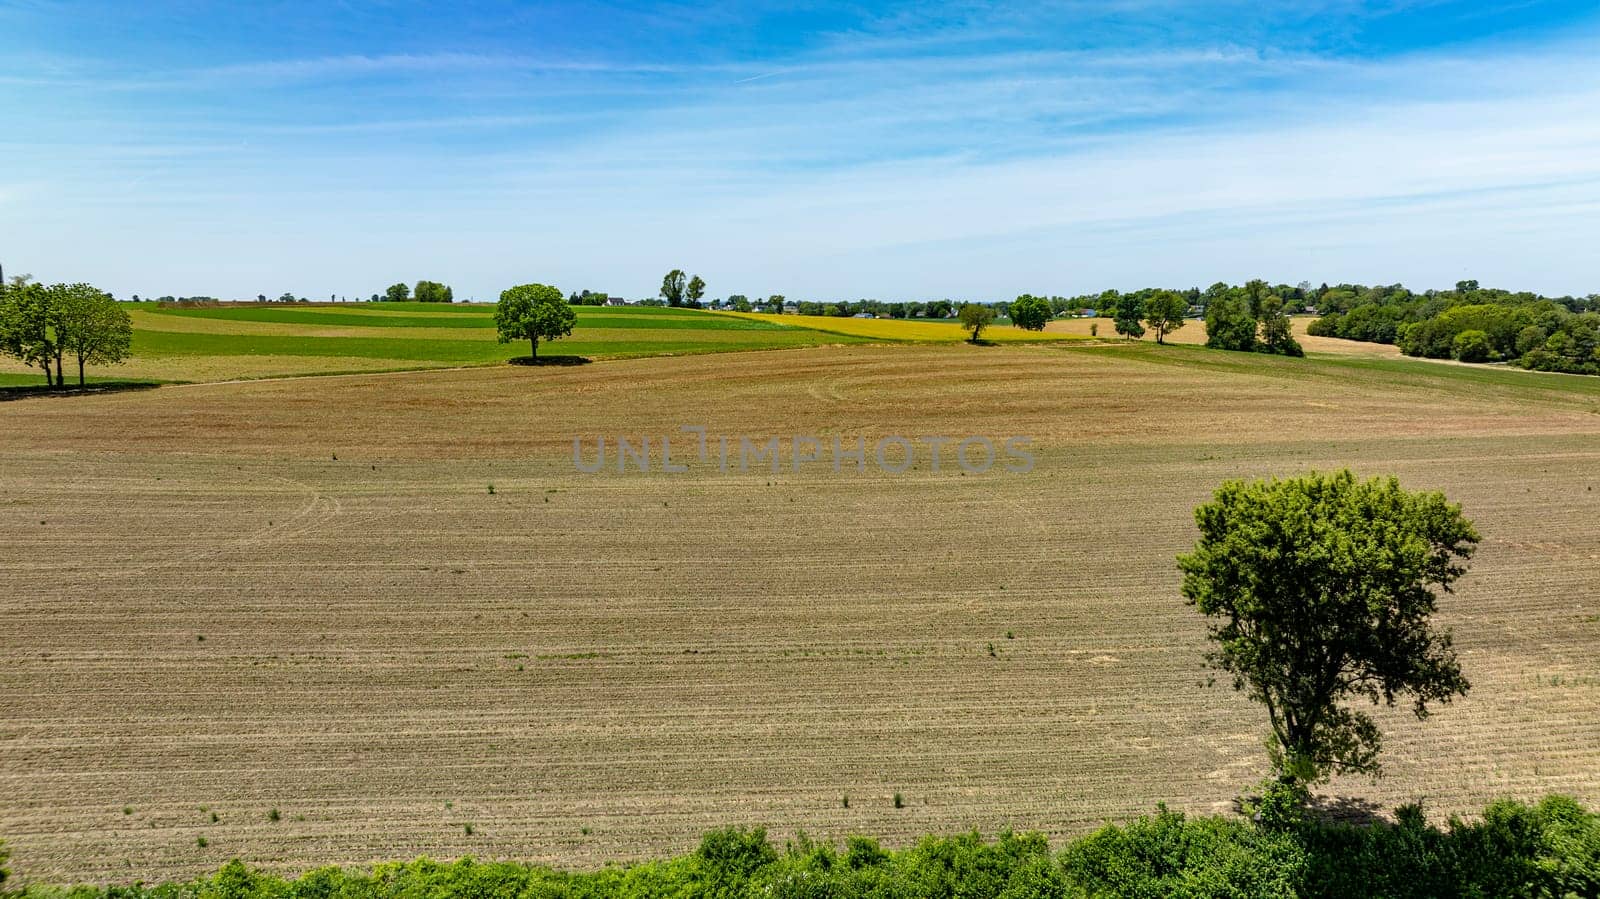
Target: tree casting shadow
24,391
550,360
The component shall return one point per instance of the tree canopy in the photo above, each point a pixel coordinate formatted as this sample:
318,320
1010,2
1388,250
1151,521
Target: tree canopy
92,327
673,286
1164,313
1128,310
1321,589
397,293
533,312
695,292
974,318
1030,313
432,292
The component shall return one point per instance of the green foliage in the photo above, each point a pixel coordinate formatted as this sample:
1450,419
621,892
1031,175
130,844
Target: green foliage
1030,313
1128,311
1164,313
673,286
1276,336
1321,589
432,292
28,319
1169,855
92,328
1472,346
975,317
1548,849
531,312
397,293
1230,324
695,292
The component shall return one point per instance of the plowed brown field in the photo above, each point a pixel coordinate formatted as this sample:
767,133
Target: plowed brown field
301,595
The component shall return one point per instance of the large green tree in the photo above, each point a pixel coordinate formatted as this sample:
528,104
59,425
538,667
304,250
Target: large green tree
92,327
433,292
1230,325
672,287
1164,313
28,324
1030,313
1126,312
1276,334
533,312
975,317
695,292
1321,589
397,293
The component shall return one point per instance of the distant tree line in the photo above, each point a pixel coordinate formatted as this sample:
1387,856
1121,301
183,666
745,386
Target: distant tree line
44,324
1469,324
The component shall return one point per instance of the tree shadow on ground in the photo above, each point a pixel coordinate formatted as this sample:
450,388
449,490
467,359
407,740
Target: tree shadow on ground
1347,810
550,360
25,391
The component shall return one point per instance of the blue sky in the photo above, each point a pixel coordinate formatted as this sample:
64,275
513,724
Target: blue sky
820,150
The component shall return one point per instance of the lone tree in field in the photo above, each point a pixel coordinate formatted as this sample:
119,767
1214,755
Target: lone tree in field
1126,314
695,292
1320,589
975,317
1030,313
533,311
93,328
672,287
397,293
1164,313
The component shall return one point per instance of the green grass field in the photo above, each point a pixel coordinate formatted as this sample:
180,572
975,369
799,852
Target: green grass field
255,341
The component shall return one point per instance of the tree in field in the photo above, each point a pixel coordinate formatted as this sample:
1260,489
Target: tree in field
432,292
695,292
974,318
1126,314
28,324
740,303
1276,335
397,293
775,303
672,287
1164,313
1030,313
1320,589
93,328
531,312
1229,322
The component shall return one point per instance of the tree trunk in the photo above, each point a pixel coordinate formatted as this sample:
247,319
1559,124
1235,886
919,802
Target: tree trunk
535,342
49,381
60,381
80,371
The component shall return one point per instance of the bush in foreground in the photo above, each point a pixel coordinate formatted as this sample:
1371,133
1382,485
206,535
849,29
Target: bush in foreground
1548,849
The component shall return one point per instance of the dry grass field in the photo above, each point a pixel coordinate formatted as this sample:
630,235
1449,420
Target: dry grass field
302,595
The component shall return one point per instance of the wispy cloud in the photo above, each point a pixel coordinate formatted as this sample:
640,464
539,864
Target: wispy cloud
904,155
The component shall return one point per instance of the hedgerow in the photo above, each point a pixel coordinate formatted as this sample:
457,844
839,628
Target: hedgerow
1549,849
